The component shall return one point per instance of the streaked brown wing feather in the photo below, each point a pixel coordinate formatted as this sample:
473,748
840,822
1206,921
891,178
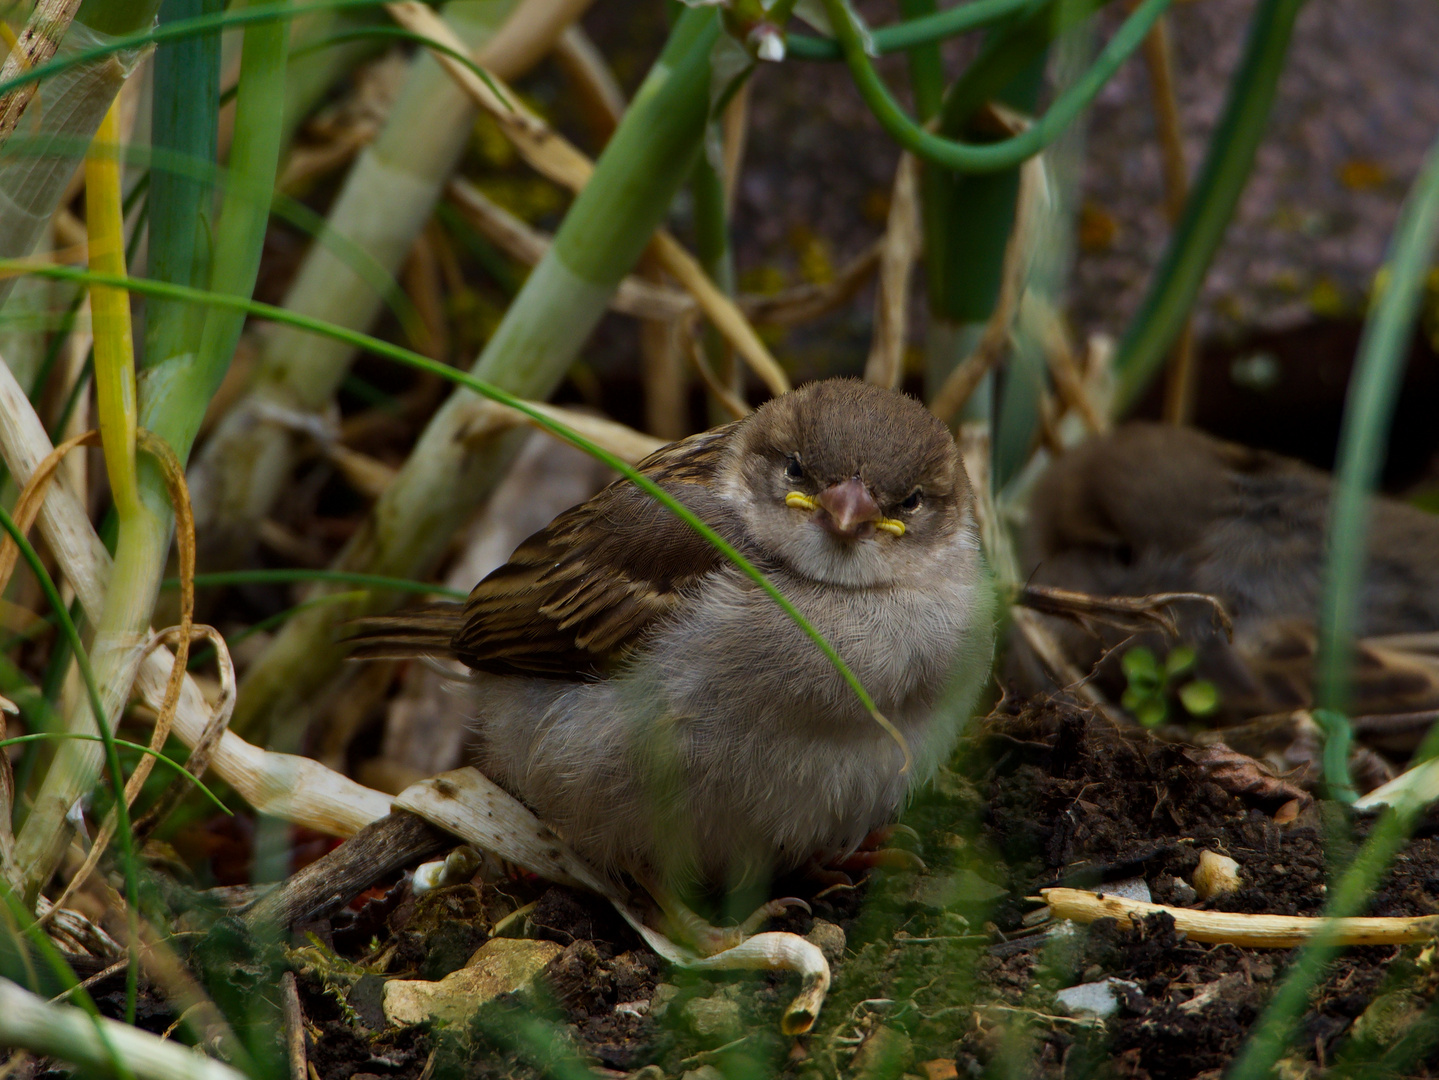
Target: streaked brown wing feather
581,592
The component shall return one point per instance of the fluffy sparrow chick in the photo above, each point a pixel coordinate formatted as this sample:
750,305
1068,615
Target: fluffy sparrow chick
1152,508
653,705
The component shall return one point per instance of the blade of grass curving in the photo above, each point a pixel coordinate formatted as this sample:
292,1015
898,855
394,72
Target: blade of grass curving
1363,440
1212,200
919,30
52,736
313,71
496,394
926,65
987,157
1275,1027
304,576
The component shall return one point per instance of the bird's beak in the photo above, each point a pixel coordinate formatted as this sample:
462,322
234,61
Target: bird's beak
848,510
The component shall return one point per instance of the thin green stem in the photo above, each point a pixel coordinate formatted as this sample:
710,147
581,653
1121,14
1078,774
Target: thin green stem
1363,440
1145,347
46,736
200,658
495,394
1007,153
914,33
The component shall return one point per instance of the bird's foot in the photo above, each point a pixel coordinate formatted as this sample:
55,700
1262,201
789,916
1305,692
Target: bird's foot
708,939
872,853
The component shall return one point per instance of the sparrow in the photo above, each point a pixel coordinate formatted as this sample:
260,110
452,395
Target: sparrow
648,701
1154,508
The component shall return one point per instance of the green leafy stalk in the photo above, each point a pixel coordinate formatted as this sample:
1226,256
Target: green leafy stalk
386,199
1007,153
1363,438
179,387
502,397
1146,344
968,217
174,394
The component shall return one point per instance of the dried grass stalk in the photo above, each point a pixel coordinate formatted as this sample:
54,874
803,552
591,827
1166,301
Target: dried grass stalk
898,251
1247,931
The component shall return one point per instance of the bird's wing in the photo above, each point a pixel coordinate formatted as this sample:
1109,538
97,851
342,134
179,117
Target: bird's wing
579,593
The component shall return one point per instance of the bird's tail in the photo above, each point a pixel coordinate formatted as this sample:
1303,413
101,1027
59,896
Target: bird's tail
423,631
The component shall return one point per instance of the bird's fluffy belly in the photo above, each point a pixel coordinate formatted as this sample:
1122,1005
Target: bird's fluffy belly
704,761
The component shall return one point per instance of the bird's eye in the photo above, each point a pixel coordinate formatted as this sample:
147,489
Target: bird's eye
913,500
793,470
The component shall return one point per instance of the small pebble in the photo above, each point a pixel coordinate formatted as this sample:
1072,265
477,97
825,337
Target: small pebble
661,998
1099,999
1134,888
716,1018
1215,875
829,939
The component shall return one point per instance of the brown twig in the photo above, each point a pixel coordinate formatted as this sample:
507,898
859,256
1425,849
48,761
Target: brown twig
377,850
722,393
805,303
555,158
1130,614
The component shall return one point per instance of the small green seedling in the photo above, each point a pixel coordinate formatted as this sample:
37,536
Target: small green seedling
1150,682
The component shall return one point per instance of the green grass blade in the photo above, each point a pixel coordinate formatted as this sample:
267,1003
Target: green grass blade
41,736
1363,439
1161,317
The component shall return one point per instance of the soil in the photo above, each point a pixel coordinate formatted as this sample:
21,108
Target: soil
948,972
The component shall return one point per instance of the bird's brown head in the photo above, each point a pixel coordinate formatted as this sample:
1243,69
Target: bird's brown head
848,482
